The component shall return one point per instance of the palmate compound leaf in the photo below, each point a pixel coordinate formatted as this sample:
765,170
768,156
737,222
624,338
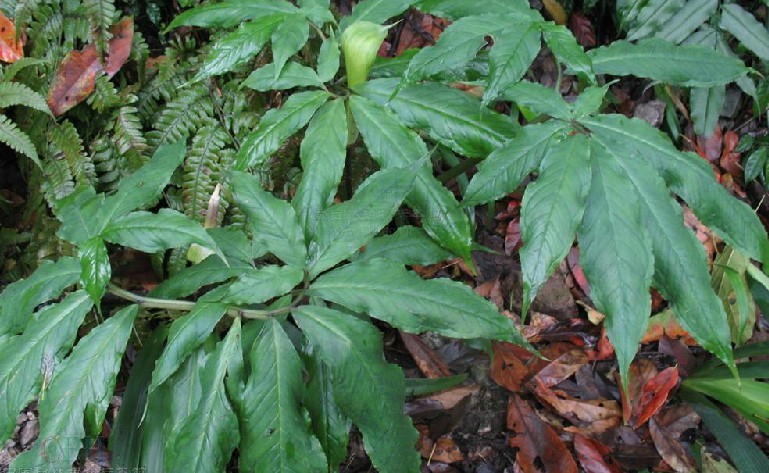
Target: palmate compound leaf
206,438
551,211
391,144
49,335
345,227
79,394
275,428
387,291
616,255
367,389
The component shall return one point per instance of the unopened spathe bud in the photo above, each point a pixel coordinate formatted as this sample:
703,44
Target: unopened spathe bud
360,44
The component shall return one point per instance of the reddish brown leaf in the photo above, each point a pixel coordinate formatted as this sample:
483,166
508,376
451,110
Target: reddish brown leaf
492,290
76,76
562,368
11,49
509,367
582,29
429,363
537,442
513,239
648,391
666,324
730,160
576,411
443,450
594,456
670,449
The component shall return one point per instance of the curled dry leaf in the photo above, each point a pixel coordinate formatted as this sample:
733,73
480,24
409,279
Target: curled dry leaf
670,449
76,76
510,368
594,456
582,29
429,363
11,49
648,391
536,441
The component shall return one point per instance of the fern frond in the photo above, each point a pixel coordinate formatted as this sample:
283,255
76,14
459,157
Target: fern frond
66,142
16,139
237,111
23,12
128,136
202,169
14,93
140,51
190,110
59,181
105,159
10,70
101,14
105,95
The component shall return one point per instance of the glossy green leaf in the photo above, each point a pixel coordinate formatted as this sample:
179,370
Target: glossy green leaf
391,144
387,291
408,245
292,75
187,333
19,299
345,227
749,397
238,47
275,427
273,221
456,9
207,437
83,215
565,47
506,167
424,386
328,59
230,13
259,285
652,16
456,46
150,232
323,152
688,66
364,383
616,255
551,211
239,251
687,19
375,11
706,107
746,28
25,359
449,116
82,383
331,427
687,175
95,270
211,270
316,11
754,164
681,273
729,281
589,101
287,39
515,48
540,99
125,438
276,126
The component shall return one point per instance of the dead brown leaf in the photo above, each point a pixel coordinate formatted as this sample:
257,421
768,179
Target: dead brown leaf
11,48
594,456
583,30
670,449
648,391
429,363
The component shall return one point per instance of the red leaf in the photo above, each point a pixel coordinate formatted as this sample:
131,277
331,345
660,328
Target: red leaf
648,391
538,443
509,367
582,29
670,448
513,239
594,456
76,76
11,49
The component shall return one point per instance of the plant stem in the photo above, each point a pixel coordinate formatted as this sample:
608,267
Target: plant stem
173,304
458,169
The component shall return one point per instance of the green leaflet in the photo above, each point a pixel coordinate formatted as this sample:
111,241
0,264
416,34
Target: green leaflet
616,255
589,101
276,126
259,285
230,13
234,243
706,107
551,211
273,221
456,46
17,140
287,39
456,9
25,358
540,99
14,93
185,282
206,438
275,428
656,59
515,48
375,11
687,175
19,299
328,59
687,19
506,167
345,227
387,291
95,270
330,426
681,272
748,397
187,333
83,382
746,28
236,48
150,232
292,75
449,116
393,145
363,383
565,47
323,152
652,16
82,214
729,281
408,245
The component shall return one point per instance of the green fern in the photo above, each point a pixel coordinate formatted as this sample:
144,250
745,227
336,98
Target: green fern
66,142
16,139
128,136
190,110
202,171
101,14
13,93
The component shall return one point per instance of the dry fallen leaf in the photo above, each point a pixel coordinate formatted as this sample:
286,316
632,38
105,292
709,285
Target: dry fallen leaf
594,456
648,391
583,30
11,49
670,449
76,76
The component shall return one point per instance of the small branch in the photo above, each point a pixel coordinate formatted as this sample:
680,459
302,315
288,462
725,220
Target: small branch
460,168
